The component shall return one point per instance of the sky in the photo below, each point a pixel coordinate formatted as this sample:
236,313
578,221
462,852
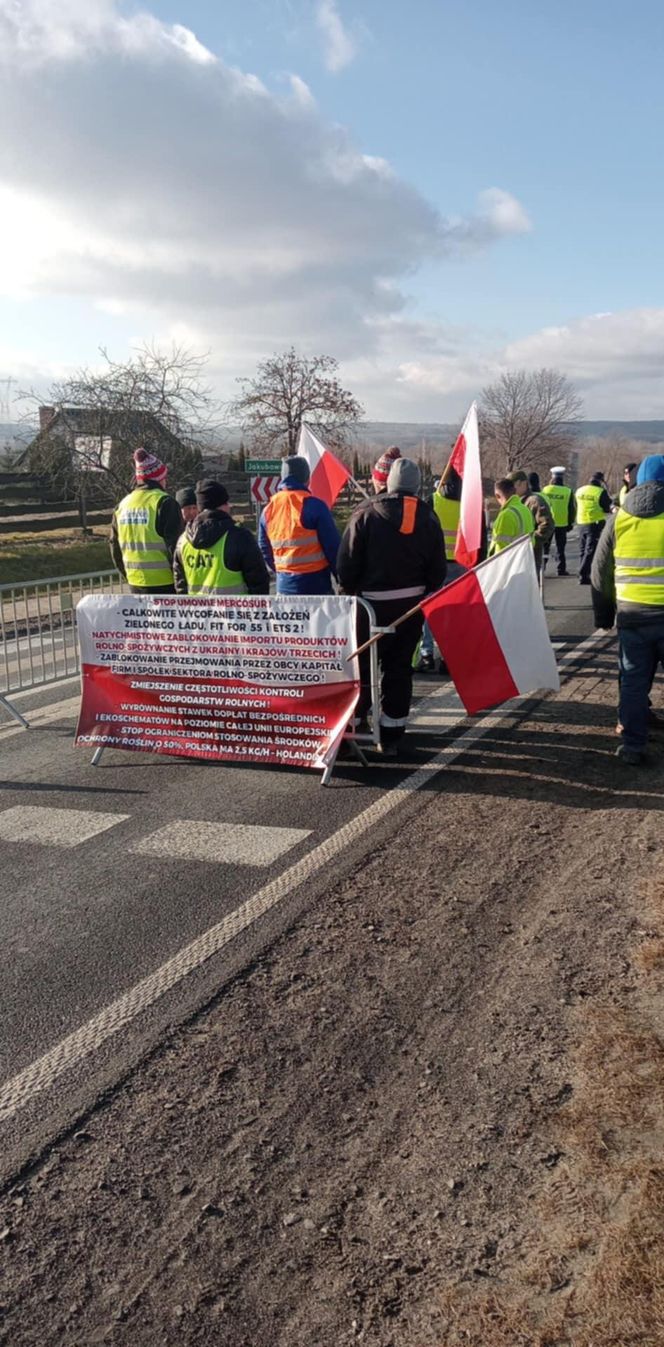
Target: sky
432,192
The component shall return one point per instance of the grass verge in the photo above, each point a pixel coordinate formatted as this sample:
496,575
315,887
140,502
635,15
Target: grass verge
28,557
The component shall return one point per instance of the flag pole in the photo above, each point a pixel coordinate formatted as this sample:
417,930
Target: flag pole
425,598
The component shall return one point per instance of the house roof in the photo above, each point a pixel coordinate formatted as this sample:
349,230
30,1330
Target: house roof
122,425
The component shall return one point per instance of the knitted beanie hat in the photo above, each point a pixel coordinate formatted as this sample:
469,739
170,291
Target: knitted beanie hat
296,466
404,475
210,494
148,467
381,468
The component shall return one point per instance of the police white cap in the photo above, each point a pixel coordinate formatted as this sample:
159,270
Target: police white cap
552,470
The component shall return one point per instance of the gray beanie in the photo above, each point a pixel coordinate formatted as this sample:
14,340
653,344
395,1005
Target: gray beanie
404,476
296,466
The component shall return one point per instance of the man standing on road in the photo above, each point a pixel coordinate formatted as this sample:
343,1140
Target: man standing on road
145,528
563,508
391,555
513,519
186,499
593,507
297,534
628,578
540,510
215,555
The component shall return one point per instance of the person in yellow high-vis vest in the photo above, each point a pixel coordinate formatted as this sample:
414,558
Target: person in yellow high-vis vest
214,554
513,520
145,528
446,505
593,507
561,502
628,582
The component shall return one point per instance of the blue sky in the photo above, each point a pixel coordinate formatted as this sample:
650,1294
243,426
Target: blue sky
422,283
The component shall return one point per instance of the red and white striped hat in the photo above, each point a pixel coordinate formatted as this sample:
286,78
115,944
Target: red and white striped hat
148,467
381,470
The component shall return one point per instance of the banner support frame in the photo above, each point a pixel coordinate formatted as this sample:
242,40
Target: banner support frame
11,710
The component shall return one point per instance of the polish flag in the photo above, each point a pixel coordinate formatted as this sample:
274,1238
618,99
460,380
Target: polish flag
491,630
466,459
328,473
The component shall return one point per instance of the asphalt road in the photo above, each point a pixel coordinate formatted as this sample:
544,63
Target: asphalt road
115,876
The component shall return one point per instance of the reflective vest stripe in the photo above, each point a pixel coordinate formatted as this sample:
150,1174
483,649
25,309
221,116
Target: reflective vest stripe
639,563
409,513
295,549
136,523
411,592
639,579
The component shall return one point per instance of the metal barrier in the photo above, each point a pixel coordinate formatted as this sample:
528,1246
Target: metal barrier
38,642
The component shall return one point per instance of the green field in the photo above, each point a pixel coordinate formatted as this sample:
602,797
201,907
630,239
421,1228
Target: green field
41,556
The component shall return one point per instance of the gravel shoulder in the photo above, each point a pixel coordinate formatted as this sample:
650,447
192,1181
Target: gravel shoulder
370,1114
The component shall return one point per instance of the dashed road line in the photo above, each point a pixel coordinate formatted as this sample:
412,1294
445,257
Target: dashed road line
48,826
72,1050
233,843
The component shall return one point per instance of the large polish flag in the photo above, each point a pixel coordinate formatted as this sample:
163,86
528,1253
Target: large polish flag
466,459
491,629
328,473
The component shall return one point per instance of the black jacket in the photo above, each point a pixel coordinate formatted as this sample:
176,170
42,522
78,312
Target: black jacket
374,555
242,551
168,523
644,502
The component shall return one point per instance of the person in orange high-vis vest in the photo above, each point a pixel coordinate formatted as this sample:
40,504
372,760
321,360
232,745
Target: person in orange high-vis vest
297,534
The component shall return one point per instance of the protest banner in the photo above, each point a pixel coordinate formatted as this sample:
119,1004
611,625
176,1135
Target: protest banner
234,678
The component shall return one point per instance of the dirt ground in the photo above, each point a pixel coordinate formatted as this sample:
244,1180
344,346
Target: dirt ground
430,1115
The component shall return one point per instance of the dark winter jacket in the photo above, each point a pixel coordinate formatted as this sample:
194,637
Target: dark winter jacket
374,556
644,502
169,524
242,551
541,512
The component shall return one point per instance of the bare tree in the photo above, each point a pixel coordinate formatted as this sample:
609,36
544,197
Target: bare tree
100,416
527,417
288,389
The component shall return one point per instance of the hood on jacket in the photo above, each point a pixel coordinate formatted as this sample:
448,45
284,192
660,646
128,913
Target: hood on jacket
646,501
208,527
292,484
651,469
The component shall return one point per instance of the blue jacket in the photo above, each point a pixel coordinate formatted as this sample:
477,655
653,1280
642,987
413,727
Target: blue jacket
315,515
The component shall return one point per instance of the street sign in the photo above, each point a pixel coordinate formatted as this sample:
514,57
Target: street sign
263,487
261,467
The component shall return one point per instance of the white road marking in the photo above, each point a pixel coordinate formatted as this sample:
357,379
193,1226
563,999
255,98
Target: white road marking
234,843
70,1051
54,827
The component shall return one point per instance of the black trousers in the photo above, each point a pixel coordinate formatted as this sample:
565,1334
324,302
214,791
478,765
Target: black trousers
589,537
560,535
395,664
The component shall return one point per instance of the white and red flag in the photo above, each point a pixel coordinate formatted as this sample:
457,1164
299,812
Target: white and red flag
491,630
466,459
328,473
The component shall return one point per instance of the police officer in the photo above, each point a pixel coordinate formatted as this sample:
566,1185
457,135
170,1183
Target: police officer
215,555
628,578
562,504
593,506
297,534
145,528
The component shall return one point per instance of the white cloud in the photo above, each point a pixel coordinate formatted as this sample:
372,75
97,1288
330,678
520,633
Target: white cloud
340,48
145,176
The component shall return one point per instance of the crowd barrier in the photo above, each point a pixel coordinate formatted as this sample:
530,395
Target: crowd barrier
38,643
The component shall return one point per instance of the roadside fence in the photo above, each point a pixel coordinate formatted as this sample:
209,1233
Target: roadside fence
38,643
